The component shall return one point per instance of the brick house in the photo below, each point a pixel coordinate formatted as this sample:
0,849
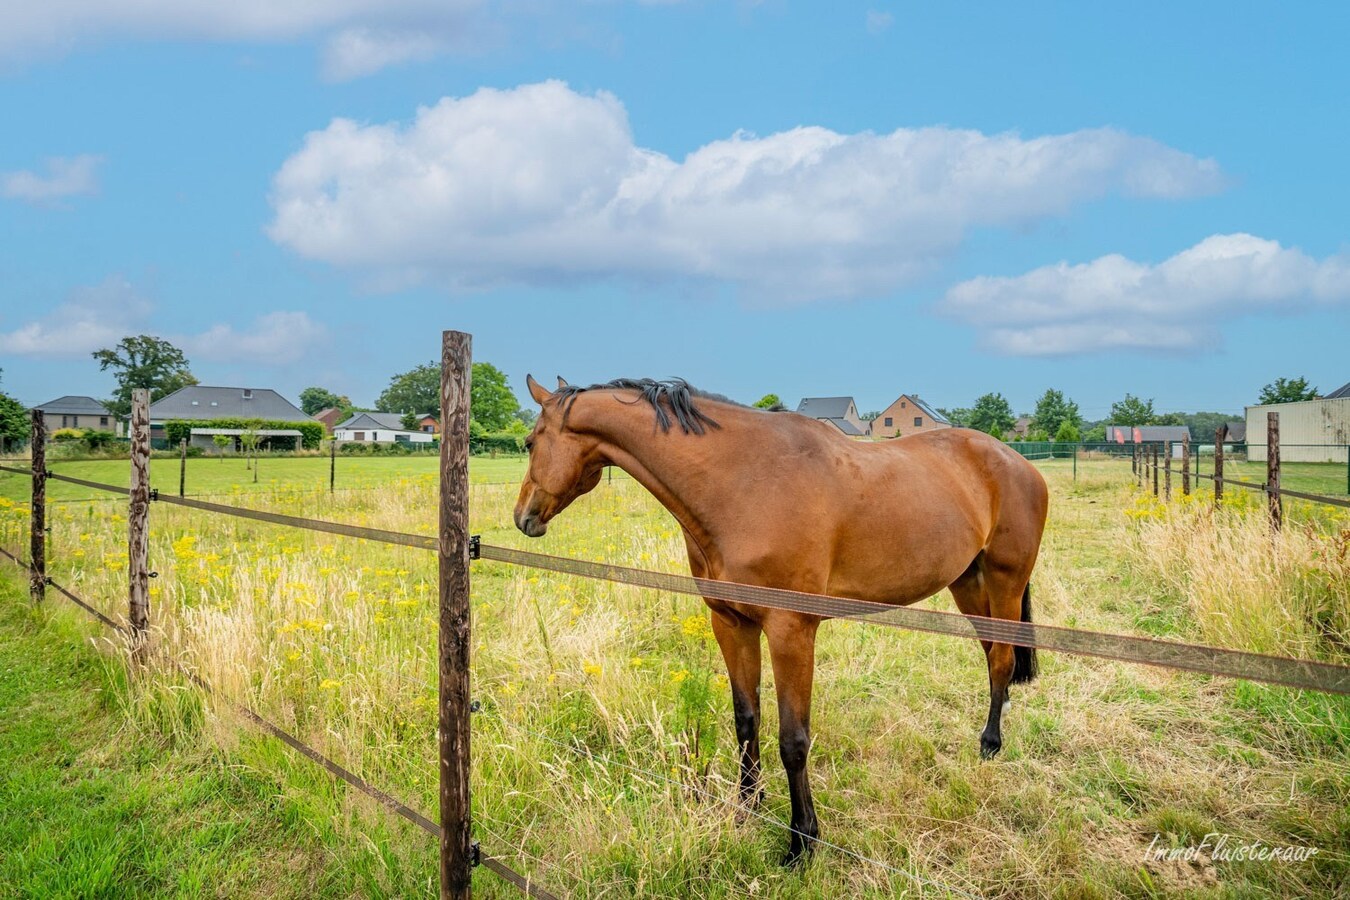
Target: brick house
907,415
429,424
330,418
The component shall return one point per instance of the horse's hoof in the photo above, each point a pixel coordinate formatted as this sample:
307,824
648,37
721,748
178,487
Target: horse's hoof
799,851
989,747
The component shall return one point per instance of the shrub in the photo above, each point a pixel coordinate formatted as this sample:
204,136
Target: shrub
497,442
63,435
98,440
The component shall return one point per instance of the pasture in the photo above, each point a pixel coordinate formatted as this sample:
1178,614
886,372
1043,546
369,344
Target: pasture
335,639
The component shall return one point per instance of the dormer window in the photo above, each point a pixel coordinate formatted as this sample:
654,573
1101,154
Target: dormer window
248,394
196,403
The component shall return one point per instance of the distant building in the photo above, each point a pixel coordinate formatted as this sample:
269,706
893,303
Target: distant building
330,418
841,412
1310,430
202,403
907,415
1149,434
1022,427
429,423
79,412
379,428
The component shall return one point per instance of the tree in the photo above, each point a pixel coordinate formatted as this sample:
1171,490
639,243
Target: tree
958,416
1067,433
769,401
222,442
871,415
1095,435
1053,410
993,415
316,399
1203,424
491,401
143,361
1171,418
14,419
417,390
409,421
1286,390
1132,411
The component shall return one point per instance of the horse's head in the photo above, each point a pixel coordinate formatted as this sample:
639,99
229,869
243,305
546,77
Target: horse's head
563,463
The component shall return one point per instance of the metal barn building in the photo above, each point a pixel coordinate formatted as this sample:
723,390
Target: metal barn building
1310,431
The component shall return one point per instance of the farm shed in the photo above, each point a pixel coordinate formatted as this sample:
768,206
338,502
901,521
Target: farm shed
907,414
1310,430
79,412
379,428
206,437
841,412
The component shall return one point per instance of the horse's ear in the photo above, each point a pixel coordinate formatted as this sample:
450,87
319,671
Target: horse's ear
537,390
561,384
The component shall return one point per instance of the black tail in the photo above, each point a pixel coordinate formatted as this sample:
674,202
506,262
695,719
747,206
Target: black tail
1024,658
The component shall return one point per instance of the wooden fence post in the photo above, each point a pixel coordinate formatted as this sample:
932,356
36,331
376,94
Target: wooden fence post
456,854
182,467
332,464
1138,465
1273,470
138,524
1186,465
1153,454
1219,434
1167,471
37,527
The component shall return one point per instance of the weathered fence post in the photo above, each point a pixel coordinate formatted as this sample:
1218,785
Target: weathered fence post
1186,464
182,467
1167,471
37,527
1138,465
1273,470
138,524
332,464
1219,434
1153,454
456,854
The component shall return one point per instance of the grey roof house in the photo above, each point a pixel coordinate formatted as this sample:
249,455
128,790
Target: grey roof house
1339,394
198,402
379,428
78,412
841,412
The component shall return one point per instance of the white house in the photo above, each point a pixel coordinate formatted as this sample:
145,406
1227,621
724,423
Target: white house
378,428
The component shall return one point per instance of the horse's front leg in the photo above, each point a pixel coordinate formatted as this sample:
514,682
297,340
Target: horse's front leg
739,639
792,648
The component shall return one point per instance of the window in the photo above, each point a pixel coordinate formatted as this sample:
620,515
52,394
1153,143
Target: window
64,422
890,423
103,421
359,436
918,421
902,404
401,439
248,395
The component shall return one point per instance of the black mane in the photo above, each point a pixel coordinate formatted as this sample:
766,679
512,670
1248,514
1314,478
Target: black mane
675,393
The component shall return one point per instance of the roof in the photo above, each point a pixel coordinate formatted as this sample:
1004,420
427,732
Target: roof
932,413
72,405
845,426
825,407
1147,433
201,402
381,420
1340,393
1237,431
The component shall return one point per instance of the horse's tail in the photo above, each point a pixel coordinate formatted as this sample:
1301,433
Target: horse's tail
1024,658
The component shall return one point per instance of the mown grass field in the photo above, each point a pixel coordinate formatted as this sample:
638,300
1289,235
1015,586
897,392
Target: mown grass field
335,638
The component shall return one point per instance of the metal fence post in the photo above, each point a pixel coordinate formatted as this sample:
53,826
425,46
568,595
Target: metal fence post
37,527
138,524
1186,465
182,467
1273,470
332,464
1219,434
1153,455
456,847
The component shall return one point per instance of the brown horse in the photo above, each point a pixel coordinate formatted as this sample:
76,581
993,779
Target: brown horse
785,501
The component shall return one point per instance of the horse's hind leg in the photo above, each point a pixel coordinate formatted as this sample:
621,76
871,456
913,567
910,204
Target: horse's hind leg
739,639
991,590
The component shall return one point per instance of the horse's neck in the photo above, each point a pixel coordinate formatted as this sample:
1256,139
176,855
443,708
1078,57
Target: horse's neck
682,471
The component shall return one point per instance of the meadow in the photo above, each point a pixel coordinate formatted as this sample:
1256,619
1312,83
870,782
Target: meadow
335,639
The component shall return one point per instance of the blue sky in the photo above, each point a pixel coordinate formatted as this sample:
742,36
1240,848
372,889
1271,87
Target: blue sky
809,199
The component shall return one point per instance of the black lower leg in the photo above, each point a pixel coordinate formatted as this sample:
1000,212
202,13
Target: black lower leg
746,710
794,745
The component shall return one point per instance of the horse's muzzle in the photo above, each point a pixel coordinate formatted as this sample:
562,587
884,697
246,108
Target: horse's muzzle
530,524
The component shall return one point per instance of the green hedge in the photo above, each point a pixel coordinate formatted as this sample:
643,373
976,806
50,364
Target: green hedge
497,442
311,433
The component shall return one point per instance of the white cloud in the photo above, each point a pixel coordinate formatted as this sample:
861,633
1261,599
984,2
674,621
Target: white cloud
65,177
100,315
1117,303
879,21
541,184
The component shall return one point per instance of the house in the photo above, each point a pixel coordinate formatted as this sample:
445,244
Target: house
1237,432
841,412
1310,430
430,423
1149,434
330,418
907,415
1021,428
379,428
79,412
201,403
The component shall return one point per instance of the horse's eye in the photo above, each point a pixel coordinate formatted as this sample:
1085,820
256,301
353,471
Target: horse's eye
529,445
